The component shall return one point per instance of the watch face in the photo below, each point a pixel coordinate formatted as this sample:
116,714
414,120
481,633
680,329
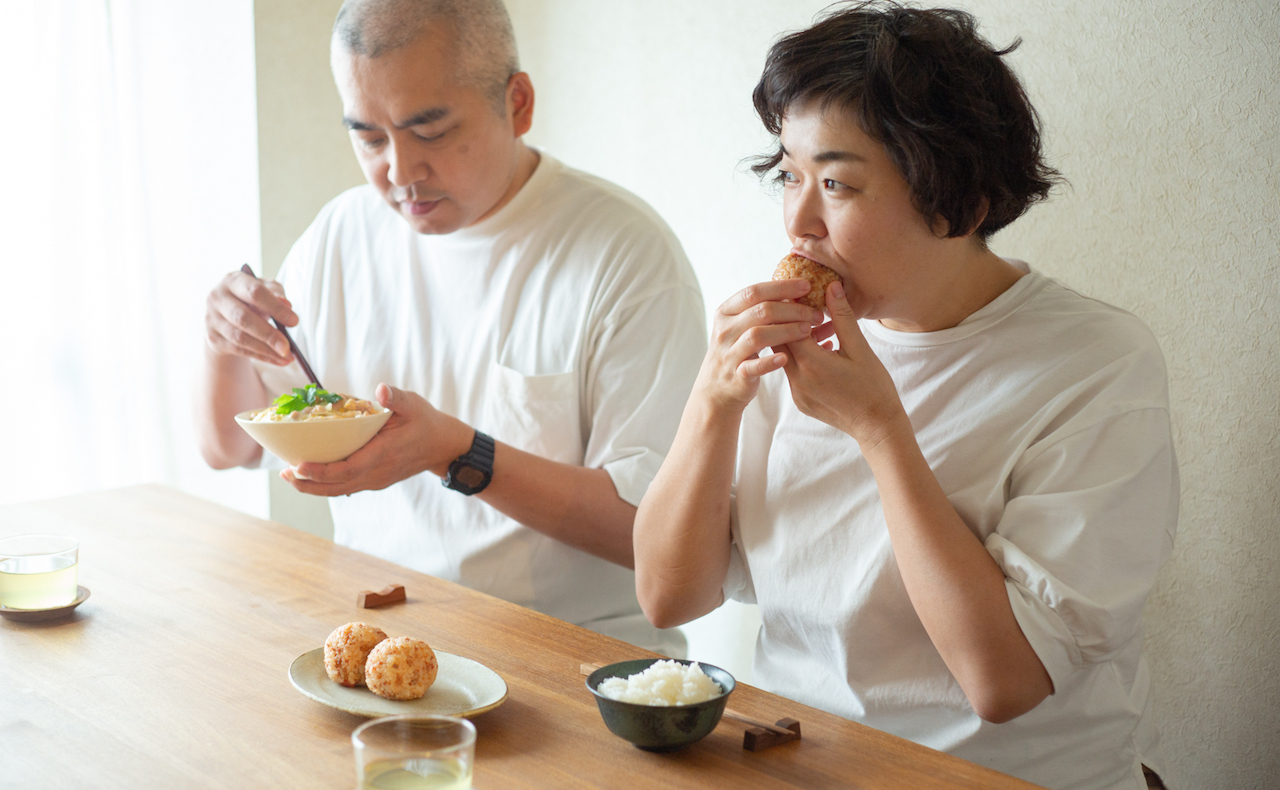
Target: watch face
469,476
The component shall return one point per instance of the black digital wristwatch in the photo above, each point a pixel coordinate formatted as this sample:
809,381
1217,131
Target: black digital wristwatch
471,472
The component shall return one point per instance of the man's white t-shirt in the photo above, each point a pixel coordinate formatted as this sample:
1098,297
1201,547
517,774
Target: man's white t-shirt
569,324
1045,418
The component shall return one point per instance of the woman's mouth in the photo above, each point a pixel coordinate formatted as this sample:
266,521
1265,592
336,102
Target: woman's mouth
807,256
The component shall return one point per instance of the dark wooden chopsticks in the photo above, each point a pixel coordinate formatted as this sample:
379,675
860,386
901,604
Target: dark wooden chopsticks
297,353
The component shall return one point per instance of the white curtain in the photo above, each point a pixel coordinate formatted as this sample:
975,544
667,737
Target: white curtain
128,185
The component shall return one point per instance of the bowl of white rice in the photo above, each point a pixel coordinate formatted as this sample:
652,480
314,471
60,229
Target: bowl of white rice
661,705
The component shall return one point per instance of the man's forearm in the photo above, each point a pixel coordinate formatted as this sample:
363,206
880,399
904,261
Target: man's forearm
229,386
575,505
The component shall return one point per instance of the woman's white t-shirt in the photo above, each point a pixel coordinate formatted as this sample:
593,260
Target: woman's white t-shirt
1045,418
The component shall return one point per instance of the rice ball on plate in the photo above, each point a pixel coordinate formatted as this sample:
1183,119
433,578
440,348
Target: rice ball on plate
401,668
346,651
796,267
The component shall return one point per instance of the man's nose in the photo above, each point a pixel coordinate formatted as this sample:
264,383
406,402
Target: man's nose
803,214
404,167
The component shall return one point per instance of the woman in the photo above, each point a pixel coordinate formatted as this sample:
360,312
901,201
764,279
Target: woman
953,505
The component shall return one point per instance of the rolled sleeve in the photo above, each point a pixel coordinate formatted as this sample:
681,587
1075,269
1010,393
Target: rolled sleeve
1089,522
1049,636
737,580
737,584
633,474
640,377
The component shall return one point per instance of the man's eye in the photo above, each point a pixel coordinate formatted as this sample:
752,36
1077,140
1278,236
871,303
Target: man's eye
429,138
785,177
372,145
831,184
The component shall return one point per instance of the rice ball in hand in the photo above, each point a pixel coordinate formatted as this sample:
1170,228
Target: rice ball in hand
796,267
347,650
401,668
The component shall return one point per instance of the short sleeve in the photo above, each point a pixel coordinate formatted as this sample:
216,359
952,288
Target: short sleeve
1090,520
737,581
641,370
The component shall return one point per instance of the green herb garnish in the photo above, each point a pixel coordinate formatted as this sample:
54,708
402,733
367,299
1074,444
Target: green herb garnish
302,397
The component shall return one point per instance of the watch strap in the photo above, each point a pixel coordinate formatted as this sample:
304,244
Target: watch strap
479,459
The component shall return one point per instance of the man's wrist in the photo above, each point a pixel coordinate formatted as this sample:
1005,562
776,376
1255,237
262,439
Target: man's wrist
471,472
455,440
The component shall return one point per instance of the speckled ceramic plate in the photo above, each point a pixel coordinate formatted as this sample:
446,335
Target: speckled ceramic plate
463,688
34,615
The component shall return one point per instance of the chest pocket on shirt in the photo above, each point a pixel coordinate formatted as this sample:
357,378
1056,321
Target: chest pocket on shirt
537,414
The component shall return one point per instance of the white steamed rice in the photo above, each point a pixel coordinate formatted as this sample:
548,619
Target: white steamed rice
663,683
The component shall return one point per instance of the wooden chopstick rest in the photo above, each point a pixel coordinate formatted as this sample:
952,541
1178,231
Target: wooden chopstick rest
759,734
762,737
392,593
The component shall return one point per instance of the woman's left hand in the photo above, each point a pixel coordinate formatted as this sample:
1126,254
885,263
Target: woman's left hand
847,388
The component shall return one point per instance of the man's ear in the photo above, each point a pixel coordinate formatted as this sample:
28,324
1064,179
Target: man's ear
520,102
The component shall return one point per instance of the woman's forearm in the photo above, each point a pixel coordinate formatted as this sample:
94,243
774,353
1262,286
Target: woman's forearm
682,538
957,589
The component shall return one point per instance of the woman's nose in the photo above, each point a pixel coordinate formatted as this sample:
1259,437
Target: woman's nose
802,210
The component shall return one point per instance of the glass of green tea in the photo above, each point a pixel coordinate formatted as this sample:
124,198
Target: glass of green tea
414,752
38,571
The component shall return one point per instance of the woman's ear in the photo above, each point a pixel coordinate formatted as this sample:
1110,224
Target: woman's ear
984,206
941,227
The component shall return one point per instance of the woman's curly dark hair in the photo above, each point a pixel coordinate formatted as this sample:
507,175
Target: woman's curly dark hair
952,116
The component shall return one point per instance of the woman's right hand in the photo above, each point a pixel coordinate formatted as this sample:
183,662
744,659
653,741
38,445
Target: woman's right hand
236,314
749,323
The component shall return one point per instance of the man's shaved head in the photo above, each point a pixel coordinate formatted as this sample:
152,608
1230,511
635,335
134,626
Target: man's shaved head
481,30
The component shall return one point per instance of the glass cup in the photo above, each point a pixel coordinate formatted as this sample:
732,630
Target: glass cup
414,751
38,571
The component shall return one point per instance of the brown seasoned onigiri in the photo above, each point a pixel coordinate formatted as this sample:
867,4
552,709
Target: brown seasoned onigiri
796,267
401,668
346,651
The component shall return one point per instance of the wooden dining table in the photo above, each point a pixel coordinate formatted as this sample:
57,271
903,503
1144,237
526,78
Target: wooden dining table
174,673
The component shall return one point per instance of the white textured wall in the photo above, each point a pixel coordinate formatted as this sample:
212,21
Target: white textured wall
1163,116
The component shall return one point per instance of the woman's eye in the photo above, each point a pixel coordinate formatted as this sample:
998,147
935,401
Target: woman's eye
785,177
831,184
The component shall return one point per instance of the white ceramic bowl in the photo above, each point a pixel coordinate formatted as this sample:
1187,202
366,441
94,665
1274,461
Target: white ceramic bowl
318,442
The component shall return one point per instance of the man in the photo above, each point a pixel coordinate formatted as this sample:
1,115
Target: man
478,288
